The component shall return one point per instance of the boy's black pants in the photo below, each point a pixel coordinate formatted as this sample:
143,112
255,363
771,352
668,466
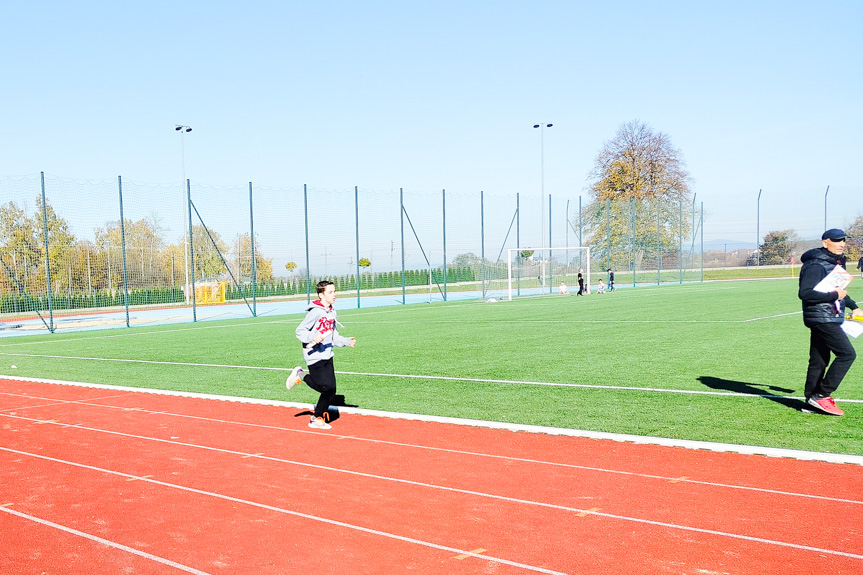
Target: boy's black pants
322,378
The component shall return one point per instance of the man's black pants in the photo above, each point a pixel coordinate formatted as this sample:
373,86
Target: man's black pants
824,339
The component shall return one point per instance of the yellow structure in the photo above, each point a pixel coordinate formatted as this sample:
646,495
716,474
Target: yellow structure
209,292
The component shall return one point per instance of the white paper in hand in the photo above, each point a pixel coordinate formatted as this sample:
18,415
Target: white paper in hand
838,279
852,328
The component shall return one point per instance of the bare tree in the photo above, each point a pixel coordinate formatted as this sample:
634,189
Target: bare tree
854,249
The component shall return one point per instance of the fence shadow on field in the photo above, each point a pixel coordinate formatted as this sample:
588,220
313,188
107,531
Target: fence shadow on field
757,389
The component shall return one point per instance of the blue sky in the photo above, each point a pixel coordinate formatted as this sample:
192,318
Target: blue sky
425,96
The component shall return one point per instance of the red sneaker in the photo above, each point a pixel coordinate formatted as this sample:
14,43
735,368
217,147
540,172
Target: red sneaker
825,404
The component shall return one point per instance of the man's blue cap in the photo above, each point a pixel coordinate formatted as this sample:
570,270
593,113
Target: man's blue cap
833,234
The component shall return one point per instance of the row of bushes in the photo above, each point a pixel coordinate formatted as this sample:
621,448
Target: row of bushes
386,280
17,303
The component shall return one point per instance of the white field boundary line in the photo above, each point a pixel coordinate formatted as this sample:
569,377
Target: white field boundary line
140,333
577,321
414,376
385,478
637,439
405,539
91,403
577,385
355,320
103,541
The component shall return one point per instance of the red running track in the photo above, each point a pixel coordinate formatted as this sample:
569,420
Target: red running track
100,480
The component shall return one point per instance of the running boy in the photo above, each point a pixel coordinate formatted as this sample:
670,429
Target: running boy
319,334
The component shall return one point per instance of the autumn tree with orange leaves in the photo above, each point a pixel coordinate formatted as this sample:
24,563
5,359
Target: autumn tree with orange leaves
639,188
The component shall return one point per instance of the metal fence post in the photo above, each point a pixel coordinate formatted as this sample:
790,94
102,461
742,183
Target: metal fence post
402,216
47,258
566,235
608,232
357,239
580,241
758,231
680,249
658,242
482,240
254,260
443,194
308,271
634,237
191,253
518,243
702,240
123,248
549,244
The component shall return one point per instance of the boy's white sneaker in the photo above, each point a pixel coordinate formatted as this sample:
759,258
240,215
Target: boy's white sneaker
319,423
296,377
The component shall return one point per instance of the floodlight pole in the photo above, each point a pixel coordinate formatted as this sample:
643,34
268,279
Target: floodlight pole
183,130
542,126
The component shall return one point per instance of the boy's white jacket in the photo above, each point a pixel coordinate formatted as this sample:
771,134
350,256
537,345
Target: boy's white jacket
320,320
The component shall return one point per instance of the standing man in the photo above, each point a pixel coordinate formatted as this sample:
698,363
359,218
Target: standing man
610,280
823,314
860,266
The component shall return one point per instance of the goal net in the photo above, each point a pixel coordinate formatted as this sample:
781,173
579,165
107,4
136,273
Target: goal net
536,271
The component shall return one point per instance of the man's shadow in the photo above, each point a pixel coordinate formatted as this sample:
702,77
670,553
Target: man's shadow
757,389
333,412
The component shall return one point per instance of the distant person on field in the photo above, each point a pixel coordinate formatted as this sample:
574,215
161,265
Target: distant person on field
580,282
600,287
823,314
860,266
562,290
319,333
610,280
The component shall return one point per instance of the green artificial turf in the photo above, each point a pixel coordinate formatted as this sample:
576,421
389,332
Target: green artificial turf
625,355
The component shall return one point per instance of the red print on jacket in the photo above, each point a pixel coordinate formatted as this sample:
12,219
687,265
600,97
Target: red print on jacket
325,325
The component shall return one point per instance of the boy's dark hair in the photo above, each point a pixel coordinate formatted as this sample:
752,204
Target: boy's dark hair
322,285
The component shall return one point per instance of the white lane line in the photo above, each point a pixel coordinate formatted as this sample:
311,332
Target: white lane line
416,484
340,437
107,542
568,432
317,518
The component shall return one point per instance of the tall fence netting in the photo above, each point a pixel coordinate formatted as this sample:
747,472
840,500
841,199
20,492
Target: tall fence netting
66,249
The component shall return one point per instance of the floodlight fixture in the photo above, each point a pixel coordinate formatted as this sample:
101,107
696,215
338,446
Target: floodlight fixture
183,130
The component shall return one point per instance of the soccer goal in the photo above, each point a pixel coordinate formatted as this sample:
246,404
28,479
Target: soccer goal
535,271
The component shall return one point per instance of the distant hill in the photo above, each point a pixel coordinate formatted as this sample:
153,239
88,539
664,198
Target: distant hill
727,245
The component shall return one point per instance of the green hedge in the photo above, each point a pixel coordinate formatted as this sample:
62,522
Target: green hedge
16,303
385,280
